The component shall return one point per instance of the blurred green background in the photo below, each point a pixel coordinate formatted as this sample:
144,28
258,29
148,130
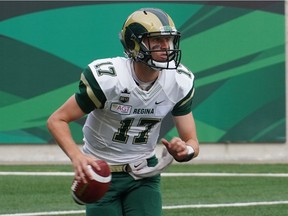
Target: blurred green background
236,49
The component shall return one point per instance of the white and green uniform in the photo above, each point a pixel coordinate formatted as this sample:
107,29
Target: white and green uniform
124,121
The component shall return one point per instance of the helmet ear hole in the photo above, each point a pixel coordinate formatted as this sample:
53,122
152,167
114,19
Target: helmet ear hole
130,41
136,47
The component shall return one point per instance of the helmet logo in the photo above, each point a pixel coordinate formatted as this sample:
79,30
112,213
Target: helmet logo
167,28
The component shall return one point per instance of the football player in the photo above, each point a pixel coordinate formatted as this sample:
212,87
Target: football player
125,100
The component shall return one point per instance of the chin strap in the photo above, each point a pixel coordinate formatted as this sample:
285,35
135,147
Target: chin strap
161,65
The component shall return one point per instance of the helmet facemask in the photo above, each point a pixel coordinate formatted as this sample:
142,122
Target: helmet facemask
171,54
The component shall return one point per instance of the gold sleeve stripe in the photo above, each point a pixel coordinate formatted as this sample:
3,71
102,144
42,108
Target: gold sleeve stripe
189,98
90,93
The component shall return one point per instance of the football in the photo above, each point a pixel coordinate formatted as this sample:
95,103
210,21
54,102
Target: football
95,188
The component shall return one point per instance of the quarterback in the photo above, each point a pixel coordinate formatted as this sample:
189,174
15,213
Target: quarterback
125,100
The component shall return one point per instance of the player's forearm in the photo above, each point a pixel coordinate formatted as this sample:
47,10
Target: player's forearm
61,132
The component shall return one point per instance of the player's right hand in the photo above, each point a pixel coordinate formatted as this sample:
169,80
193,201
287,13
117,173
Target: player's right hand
80,164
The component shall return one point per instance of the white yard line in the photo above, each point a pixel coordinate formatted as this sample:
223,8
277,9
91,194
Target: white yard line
226,205
226,174
47,213
36,173
163,174
164,207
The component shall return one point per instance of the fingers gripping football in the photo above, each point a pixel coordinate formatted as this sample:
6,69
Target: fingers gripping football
80,164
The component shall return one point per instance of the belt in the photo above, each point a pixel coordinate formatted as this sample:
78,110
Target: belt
120,168
126,167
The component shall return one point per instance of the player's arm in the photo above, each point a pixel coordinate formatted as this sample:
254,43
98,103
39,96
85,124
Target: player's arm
186,146
89,97
58,125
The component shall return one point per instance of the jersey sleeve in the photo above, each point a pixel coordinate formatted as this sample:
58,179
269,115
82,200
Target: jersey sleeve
185,80
184,106
90,95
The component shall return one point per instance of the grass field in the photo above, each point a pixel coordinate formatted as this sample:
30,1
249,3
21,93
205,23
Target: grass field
198,189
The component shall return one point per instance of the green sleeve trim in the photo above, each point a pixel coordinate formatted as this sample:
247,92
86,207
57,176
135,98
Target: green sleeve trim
184,106
90,95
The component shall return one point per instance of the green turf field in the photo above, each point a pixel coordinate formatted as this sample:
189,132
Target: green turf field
218,190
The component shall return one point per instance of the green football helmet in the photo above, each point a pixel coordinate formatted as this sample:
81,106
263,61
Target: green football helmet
149,23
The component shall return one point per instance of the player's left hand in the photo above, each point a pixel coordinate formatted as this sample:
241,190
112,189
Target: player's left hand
176,147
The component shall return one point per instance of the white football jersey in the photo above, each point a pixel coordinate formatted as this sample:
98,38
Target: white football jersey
124,121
